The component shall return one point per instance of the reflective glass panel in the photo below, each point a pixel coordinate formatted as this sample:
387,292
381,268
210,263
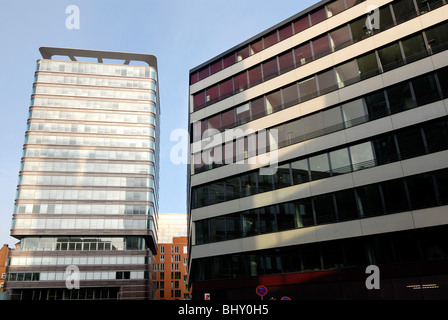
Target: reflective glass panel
362,156
421,191
229,60
240,82
326,81
228,119
303,54
270,40
257,107
255,76
270,69
216,67
335,7
390,57
273,102
324,209
376,105
308,89
410,142
346,205
367,66
400,97
404,10
286,62
354,113
340,161
318,16
369,200
242,53
395,196
340,38
321,46
300,171
437,37
436,135
425,90
319,166
332,120
301,24
414,48
313,126
282,177
347,73
285,32
256,47
290,96
226,88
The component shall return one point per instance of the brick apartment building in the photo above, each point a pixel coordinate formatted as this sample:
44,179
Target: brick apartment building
171,270
4,253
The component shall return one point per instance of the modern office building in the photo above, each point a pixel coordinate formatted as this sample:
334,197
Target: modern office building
347,101
86,204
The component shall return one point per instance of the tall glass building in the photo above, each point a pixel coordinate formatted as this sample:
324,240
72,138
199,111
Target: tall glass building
86,204
351,98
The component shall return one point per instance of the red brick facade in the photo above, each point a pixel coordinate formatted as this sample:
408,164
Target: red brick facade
171,270
4,252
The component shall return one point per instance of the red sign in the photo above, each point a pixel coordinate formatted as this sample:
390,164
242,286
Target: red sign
261,291
286,298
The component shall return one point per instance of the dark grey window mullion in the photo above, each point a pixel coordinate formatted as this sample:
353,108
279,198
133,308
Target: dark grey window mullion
313,207
414,97
312,50
276,212
392,11
335,205
278,67
383,201
378,62
350,158
397,147
425,142
388,108
309,173
294,58
403,56
329,163
427,46
439,87
262,72
436,189
408,196
416,7
358,208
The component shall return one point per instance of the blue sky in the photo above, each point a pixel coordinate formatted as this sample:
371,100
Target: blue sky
182,34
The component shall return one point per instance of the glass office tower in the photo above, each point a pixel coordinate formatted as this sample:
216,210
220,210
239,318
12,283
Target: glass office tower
352,97
87,191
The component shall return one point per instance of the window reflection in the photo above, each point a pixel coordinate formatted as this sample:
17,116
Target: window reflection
362,156
319,167
360,202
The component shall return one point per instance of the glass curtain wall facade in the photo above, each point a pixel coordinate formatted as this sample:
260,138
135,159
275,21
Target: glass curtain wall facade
356,116
87,191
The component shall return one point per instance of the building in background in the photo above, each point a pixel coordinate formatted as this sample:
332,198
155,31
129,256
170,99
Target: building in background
171,225
172,270
87,192
348,99
170,265
4,254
